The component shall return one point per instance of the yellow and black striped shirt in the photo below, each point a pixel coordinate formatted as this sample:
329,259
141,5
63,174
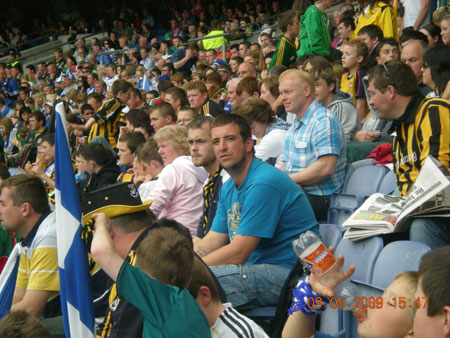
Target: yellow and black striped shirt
126,175
424,129
211,108
108,120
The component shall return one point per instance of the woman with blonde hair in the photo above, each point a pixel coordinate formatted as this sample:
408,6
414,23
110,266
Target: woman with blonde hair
39,101
178,193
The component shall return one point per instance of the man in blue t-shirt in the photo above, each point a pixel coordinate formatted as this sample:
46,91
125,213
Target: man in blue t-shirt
260,212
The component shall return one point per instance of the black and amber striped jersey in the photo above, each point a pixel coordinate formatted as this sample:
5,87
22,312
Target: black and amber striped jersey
126,175
211,108
108,119
122,318
424,129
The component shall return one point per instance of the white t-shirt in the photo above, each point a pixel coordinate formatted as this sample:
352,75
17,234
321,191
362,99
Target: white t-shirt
271,145
233,324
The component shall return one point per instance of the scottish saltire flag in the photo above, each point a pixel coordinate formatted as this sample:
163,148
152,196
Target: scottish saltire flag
74,278
144,83
8,280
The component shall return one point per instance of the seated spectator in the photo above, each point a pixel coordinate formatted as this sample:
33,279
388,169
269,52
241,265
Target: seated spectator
184,59
235,62
186,116
232,98
147,167
135,99
433,33
223,319
163,86
213,60
162,115
417,126
197,94
445,29
166,259
127,146
340,103
133,117
37,127
37,285
388,50
178,191
202,153
247,87
176,97
412,55
371,35
354,59
314,154
377,323
431,320
44,167
346,28
263,255
101,165
436,70
247,69
109,116
269,131
269,92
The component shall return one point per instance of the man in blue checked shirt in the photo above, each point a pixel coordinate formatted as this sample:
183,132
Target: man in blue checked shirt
315,152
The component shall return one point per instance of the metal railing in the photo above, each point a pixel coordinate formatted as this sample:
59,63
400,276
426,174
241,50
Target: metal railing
23,58
30,43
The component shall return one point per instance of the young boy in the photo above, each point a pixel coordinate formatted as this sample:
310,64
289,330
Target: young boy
286,52
433,320
127,146
340,103
346,27
162,115
387,321
354,53
186,116
388,50
223,319
147,166
158,290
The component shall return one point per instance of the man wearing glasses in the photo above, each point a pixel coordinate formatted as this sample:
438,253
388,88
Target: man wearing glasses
421,126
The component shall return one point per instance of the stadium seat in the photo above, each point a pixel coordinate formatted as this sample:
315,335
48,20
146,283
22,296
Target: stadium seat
331,234
362,255
389,183
363,182
267,312
397,257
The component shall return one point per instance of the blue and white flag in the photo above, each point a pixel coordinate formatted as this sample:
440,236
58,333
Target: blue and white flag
8,280
144,83
74,279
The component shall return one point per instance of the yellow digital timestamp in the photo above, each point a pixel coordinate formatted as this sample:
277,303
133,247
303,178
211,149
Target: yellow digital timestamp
368,303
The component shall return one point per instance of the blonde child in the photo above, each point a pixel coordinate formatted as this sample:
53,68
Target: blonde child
354,54
390,320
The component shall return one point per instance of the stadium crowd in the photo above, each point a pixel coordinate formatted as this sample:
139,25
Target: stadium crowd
218,161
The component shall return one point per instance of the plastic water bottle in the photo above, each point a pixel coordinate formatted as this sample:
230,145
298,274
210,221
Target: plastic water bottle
310,249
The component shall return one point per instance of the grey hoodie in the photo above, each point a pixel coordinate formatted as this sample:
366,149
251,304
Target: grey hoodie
343,107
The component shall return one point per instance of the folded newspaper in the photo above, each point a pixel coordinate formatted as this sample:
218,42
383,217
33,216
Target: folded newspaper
381,214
